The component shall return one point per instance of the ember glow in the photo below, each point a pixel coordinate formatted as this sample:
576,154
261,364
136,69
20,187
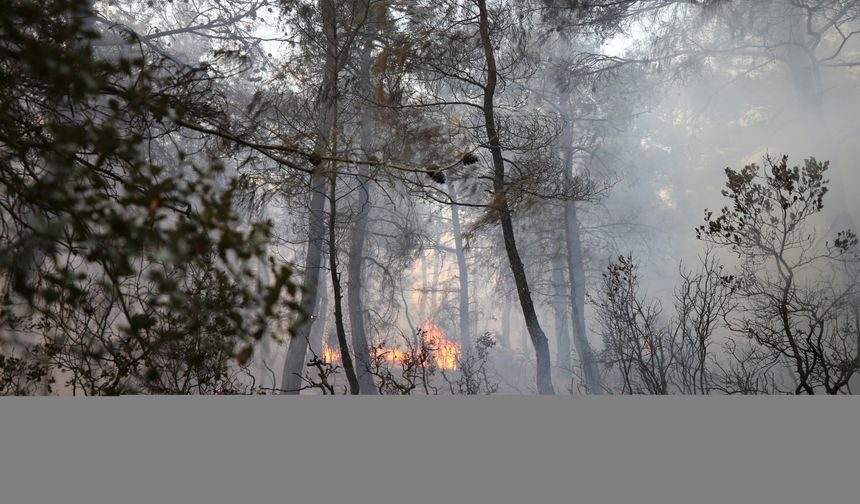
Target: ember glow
445,353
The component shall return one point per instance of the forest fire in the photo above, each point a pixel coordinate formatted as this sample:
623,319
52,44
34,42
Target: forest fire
390,355
329,356
444,353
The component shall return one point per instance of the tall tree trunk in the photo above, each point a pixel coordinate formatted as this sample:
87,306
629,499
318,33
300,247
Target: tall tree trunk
330,29
264,354
506,323
463,270
291,380
576,267
321,316
295,360
354,288
345,357
562,328
355,265
539,341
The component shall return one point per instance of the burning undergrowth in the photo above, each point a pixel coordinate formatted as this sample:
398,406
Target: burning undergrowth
428,363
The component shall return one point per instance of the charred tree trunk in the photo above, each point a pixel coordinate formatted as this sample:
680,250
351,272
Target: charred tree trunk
463,270
538,338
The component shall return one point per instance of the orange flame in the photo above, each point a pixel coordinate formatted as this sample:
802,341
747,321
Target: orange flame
329,355
391,355
445,353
